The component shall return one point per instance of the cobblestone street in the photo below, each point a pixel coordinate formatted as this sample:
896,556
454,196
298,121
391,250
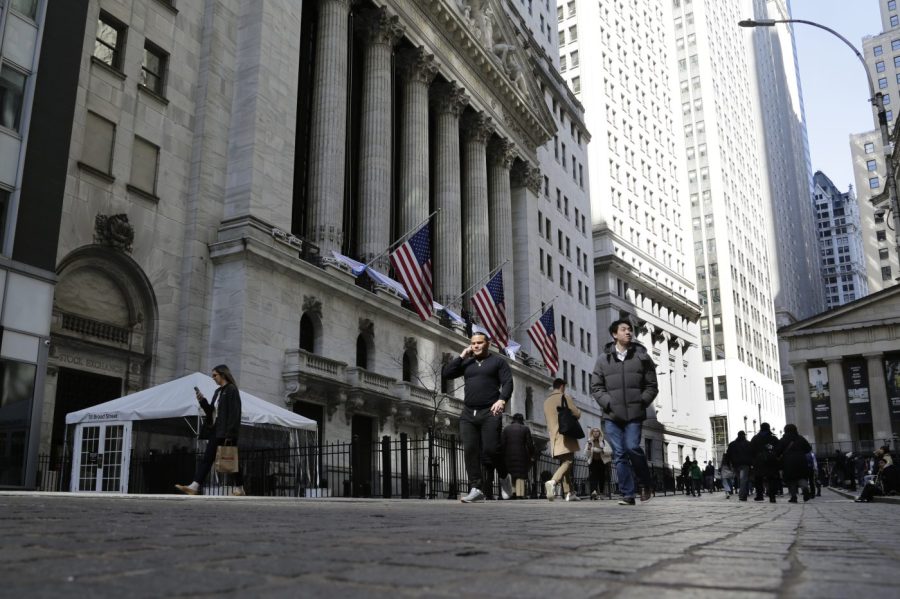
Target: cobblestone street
155,546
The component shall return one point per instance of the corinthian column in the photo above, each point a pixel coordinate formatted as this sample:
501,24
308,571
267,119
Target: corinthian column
380,33
329,126
878,398
840,416
417,69
526,186
477,129
500,158
447,102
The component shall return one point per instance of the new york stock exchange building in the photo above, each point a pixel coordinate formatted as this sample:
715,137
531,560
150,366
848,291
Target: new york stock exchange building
219,193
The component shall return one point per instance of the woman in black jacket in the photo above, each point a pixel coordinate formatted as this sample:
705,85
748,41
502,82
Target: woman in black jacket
792,449
223,422
518,452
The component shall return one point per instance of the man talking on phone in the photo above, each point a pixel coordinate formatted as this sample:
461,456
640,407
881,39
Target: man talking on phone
488,387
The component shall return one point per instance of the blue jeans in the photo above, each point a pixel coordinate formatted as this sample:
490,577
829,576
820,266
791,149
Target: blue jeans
628,455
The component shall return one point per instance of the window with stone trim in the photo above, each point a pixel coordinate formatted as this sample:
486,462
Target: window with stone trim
144,165
109,45
153,68
99,136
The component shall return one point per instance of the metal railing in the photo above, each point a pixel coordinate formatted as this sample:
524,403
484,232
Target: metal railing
432,467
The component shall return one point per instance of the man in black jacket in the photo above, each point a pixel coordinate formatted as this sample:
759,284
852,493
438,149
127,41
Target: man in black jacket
489,386
765,463
741,454
624,385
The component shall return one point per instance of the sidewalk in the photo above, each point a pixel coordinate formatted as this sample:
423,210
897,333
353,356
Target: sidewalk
159,546
895,499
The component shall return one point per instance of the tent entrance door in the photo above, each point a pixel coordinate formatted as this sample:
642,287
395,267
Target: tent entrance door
102,457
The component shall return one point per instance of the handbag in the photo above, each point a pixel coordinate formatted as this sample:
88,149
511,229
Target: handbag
226,459
568,423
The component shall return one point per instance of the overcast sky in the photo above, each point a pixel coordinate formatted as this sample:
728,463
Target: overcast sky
835,92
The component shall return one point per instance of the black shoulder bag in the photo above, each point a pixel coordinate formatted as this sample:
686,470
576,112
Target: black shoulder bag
568,423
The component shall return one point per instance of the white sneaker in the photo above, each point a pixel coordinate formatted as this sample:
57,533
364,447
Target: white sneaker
474,496
550,488
506,490
570,496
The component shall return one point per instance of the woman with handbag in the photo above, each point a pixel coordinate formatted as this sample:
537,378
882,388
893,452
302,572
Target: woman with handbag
558,412
593,452
221,427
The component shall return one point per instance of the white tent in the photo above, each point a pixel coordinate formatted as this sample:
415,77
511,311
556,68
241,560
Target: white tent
103,433
175,399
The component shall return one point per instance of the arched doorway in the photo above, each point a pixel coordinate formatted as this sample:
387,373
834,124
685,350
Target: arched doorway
102,335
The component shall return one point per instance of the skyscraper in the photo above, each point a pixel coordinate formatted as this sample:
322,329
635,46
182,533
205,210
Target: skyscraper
882,56
841,249
731,212
618,59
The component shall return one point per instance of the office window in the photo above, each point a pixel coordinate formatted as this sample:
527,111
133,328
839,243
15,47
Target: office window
877,50
562,63
879,66
889,115
144,165
12,90
886,99
573,33
24,7
885,273
723,387
884,254
710,393
576,85
881,235
892,4
573,58
153,68
895,20
98,143
871,165
874,183
882,83
895,44
869,148
110,41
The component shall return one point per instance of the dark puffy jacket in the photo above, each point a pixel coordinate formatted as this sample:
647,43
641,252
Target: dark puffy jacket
227,402
765,452
793,450
518,447
624,390
740,453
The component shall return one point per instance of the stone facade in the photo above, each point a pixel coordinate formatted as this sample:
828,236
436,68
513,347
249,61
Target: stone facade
268,161
846,369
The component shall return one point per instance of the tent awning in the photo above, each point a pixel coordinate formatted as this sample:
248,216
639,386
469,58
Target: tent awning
176,399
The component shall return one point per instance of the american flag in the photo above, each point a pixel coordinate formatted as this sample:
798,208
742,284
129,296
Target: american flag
412,263
491,308
543,334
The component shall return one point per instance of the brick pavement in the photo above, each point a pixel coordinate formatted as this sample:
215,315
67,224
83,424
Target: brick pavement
153,546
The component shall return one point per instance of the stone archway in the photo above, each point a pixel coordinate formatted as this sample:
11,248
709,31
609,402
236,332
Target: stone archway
102,335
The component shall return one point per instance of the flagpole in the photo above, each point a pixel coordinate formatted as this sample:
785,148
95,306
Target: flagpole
530,316
454,301
402,238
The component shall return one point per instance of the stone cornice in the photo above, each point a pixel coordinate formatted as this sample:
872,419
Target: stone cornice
529,124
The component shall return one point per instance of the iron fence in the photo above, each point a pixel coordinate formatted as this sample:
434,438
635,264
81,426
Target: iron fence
432,467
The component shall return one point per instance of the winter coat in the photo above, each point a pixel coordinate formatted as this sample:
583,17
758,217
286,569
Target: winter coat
624,389
792,450
593,451
696,473
518,449
225,407
740,452
765,452
559,444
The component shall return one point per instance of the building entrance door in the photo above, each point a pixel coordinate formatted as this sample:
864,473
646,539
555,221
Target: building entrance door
102,456
77,390
361,428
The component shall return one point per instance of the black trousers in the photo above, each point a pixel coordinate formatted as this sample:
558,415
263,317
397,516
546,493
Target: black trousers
770,483
596,472
480,434
209,458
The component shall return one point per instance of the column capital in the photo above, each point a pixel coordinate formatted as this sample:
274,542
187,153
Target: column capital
380,27
525,174
414,64
448,98
501,152
477,126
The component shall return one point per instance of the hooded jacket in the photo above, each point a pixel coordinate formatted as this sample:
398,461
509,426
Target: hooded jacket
625,389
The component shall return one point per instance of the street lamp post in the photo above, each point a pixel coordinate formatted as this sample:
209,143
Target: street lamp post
876,98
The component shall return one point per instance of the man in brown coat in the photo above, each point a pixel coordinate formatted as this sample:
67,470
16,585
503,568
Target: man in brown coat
561,447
